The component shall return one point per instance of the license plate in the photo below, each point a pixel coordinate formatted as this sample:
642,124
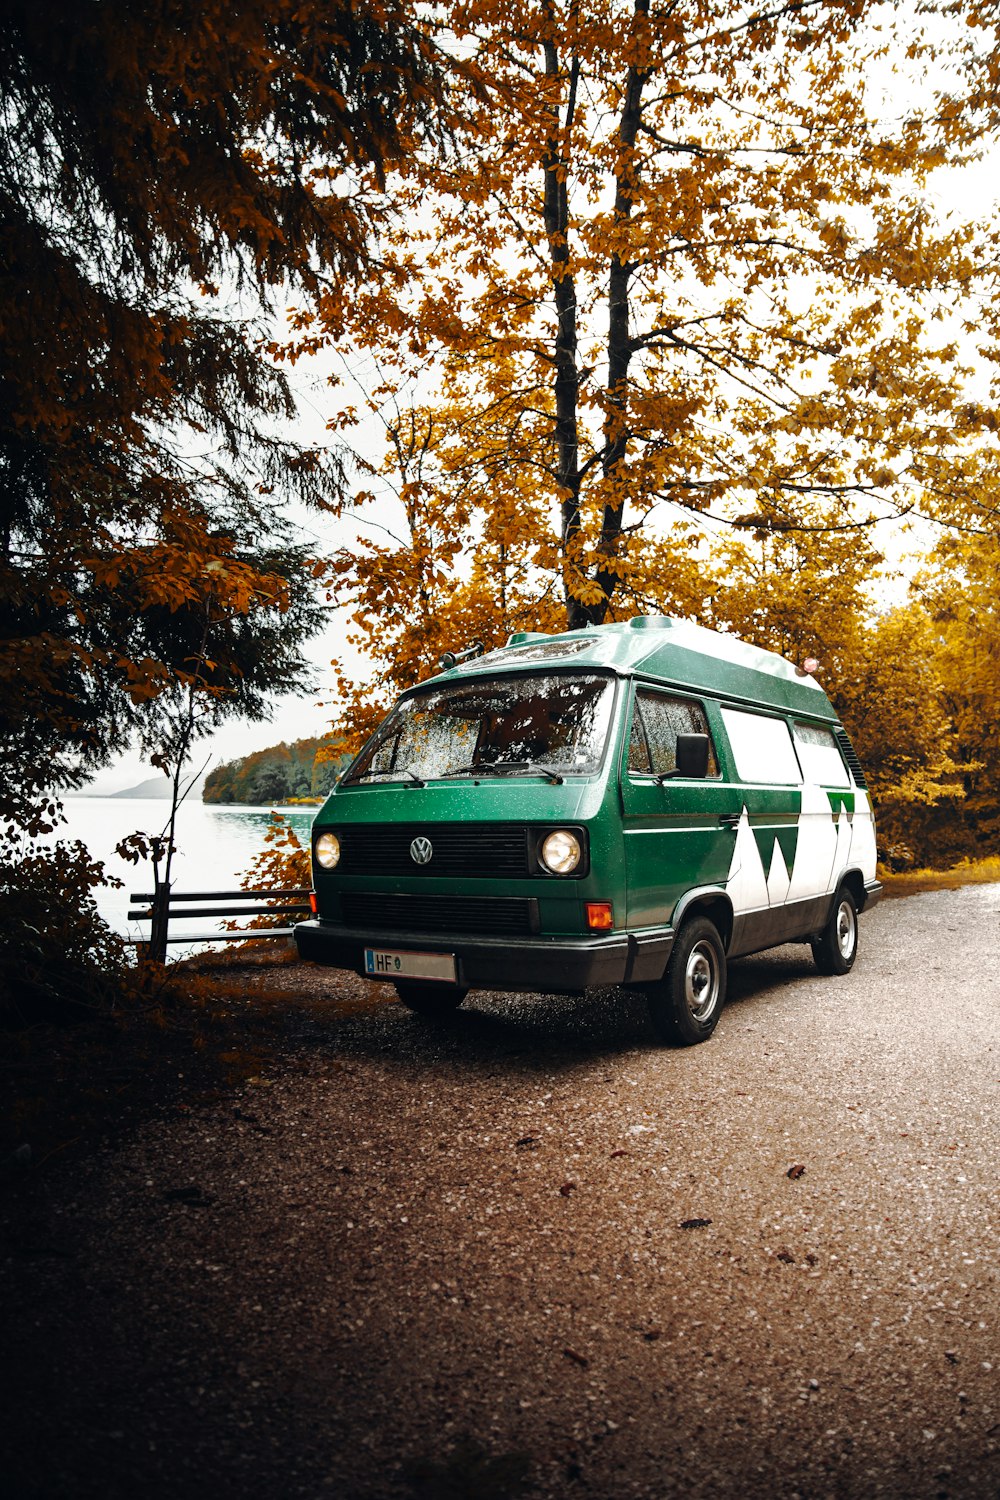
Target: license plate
395,963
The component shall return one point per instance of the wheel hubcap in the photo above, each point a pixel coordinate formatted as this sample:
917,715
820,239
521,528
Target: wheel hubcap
701,982
846,929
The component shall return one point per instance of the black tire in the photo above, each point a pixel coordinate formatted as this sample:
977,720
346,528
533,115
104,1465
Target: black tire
429,999
686,1003
836,947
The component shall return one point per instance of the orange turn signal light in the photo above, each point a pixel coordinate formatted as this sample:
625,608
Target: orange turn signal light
600,916
313,904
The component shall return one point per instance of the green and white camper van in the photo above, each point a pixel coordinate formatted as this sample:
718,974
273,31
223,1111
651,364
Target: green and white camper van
632,804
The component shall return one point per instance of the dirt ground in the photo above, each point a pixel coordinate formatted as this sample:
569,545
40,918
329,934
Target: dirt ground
529,1251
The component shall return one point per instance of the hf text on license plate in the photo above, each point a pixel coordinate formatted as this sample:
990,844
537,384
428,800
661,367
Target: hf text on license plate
396,963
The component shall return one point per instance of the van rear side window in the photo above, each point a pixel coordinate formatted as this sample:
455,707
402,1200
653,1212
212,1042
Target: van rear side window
762,748
656,723
820,755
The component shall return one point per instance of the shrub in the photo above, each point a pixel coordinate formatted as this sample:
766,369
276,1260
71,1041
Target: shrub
58,956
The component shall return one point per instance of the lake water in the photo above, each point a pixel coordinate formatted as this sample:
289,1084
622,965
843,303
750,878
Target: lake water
215,847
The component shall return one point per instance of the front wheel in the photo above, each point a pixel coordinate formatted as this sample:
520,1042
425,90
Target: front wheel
430,999
836,947
686,1003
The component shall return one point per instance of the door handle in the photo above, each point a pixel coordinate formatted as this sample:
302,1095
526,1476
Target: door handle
729,820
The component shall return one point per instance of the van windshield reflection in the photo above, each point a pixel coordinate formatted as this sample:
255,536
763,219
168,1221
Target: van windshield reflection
549,725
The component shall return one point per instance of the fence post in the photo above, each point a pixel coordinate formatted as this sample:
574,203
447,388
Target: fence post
159,922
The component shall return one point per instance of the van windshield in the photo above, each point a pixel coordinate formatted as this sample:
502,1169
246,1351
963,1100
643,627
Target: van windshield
505,726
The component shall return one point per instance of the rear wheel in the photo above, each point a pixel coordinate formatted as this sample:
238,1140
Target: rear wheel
686,1003
836,947
430,999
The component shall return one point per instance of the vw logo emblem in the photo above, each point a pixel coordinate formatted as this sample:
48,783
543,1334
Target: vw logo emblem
421,850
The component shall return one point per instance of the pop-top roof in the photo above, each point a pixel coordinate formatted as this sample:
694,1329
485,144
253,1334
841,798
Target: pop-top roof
666,650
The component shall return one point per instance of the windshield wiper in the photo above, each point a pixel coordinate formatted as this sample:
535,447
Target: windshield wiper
536,765
502,767
372,776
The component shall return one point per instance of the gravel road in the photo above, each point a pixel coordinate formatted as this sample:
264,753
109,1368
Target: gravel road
417,1260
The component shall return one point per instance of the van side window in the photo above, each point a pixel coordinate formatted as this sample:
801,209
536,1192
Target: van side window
762,748
638,750
656,723
820,755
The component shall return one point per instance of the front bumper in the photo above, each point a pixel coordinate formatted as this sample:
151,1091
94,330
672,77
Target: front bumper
547,964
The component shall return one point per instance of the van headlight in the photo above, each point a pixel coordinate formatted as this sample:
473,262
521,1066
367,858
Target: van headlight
327,851
560,852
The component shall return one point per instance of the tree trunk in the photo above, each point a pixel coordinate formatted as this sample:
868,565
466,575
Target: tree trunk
157,947
616,432
567,381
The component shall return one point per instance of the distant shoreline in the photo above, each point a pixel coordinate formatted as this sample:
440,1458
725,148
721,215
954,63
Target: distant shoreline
295,807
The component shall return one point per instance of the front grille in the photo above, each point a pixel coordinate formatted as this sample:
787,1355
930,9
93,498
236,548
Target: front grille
450,914
467,849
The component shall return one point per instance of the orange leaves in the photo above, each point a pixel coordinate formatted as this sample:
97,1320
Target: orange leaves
145,679
158,176
675,267
282,864
189,565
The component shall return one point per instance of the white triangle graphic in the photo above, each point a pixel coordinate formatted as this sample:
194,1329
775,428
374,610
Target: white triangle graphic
747,883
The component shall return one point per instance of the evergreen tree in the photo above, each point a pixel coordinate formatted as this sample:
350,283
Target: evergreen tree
165,172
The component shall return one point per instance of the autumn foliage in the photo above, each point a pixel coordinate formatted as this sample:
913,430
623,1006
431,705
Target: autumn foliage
631,307
281,773
680,324
679,277
165,173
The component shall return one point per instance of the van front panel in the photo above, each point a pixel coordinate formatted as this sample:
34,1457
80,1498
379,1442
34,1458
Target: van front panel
480,890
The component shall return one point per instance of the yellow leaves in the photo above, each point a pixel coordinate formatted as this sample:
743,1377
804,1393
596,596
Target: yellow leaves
810,413
585,590
834,236
765,341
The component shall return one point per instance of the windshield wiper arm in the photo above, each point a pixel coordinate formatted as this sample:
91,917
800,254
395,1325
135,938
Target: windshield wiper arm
503,767
532,765
405,771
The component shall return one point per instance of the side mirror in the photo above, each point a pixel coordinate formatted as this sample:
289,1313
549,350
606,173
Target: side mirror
692,756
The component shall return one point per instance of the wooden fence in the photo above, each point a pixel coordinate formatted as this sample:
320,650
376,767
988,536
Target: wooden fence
164,905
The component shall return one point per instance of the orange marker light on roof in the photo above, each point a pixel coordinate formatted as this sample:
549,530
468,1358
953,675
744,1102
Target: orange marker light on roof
600,916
